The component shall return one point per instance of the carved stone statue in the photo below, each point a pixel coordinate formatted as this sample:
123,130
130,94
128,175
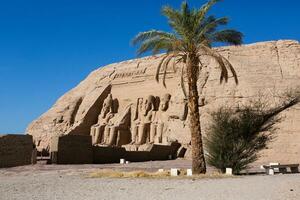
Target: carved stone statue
179,108
106,114
159,120
136,119
117,131
141,131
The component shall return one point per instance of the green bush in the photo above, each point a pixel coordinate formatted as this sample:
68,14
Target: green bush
237,135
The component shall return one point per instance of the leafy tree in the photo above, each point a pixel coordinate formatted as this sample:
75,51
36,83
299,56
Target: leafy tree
236,136
193,34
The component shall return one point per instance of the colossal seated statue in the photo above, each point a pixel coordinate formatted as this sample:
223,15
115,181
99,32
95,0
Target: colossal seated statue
136,118
117,130
141,129
160,118
97,130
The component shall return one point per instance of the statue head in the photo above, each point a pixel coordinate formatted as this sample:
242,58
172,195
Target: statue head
140,102
164,102
148,104
107,105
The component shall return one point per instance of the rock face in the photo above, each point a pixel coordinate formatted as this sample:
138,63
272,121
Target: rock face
125,105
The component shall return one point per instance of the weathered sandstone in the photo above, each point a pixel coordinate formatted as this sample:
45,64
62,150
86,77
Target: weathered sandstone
15,150
265,69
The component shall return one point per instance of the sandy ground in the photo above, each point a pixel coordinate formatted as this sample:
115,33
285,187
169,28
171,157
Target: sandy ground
71,182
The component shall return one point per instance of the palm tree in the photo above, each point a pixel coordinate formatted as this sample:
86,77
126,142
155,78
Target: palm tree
193,34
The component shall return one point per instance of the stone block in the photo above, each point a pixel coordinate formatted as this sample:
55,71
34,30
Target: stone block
189,172
295,169
174,172
270,171
122,161
102,155
138,156
71,149
16,150
228,171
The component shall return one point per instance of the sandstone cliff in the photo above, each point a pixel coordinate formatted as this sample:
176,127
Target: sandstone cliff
264,69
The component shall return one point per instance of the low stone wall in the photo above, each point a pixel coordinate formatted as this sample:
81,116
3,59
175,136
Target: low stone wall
103,155
131,153
71,149
15,150
78,149
153,152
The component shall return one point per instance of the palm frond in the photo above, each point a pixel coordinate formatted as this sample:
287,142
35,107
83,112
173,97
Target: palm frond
208,27
174,18
141,37
159,67
224,64
155,44
202,12
210,24
219,59
232,70
228,36
166,64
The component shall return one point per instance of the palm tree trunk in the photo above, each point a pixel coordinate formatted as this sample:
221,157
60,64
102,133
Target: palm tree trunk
198,165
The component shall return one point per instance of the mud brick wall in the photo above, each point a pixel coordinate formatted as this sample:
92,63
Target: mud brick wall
73,149
15,150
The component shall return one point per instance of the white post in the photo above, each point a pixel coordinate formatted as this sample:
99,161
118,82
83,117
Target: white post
270,171
174,172
189,172
228,171
275,169
122,161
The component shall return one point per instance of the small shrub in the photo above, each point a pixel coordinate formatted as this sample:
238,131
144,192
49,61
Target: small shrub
236,136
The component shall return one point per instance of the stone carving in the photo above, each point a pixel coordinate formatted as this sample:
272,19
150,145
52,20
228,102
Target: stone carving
129,73
141,130
106,114
179,108
178,123
117,130
160,117
67,117
136,119
112,128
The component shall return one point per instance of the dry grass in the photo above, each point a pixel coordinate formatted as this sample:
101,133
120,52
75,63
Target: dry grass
107,173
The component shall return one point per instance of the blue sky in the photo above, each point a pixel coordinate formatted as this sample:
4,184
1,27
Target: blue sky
48,46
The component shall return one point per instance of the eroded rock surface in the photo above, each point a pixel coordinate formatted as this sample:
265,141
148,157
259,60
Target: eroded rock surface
264,69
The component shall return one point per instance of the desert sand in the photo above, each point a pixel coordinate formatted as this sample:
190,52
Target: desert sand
72,182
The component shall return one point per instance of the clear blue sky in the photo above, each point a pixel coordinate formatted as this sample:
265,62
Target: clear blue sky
48,46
